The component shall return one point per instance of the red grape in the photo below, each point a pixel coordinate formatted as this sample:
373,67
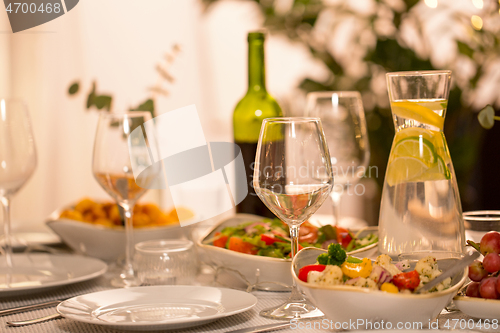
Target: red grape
477,271
473,290
488,288
491,262
498,285
490,243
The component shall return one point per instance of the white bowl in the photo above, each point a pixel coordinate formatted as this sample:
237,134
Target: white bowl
107,243
353,304
478,307
257,269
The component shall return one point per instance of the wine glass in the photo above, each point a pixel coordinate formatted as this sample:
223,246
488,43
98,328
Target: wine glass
343,118
113,161
17,159
293,177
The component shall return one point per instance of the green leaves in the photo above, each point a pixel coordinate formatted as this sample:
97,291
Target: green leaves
148,105
393,57
487,117
465,49
73,89
98,101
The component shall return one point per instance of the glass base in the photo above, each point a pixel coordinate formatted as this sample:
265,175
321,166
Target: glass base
120,277
293,309
122,282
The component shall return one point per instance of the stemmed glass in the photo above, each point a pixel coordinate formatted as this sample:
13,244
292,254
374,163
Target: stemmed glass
293,177
17,159
343,118
113,159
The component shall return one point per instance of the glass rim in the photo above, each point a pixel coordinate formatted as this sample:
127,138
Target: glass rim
347,93
419,254
419,73
474,215
162,246
128,114
285,120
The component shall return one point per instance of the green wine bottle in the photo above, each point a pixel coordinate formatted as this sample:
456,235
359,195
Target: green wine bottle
255,106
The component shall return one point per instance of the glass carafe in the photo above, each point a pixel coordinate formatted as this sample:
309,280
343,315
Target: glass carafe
420,208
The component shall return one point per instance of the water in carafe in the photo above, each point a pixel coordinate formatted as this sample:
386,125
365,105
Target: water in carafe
420,208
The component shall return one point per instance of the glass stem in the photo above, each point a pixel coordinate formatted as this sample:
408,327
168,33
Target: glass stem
6,230
295,296
128,269
336,195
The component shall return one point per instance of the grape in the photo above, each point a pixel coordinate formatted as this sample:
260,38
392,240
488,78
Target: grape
498,286
473,290
490,243
477,271
491,262
488,288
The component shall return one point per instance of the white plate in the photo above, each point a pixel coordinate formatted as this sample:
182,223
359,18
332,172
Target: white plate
478,307
156,307
38,271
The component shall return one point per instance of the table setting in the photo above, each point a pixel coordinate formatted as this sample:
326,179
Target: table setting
248,273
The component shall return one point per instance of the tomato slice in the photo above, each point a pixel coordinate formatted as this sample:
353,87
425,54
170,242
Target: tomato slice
343,237
220,240
409,280
270,239
239,245
304,271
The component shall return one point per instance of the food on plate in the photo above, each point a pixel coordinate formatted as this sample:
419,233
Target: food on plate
484,275
108,214
336,268
269,238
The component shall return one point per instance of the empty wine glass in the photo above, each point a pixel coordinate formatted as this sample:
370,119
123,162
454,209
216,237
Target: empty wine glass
17,159
113,158
293,177
343,119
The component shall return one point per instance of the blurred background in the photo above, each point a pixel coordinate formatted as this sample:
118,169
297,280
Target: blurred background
177,53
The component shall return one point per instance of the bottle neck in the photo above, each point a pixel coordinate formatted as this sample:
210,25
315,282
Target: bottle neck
256,66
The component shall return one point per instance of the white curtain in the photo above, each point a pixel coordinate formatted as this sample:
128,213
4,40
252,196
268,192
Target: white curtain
118,43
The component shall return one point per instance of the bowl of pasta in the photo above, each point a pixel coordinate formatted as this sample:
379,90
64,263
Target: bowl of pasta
95,228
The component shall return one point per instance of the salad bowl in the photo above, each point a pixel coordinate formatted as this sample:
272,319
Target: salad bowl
267,273
343,303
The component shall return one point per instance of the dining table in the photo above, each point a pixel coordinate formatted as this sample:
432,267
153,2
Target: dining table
246,319
450,318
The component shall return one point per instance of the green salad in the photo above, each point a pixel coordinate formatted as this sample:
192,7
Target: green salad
270,238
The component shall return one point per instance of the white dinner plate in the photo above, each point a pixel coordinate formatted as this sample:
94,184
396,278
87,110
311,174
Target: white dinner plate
156,307
478,307
37,271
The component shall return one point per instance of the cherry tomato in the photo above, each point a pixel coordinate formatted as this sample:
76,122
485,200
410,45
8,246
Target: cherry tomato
308,233
221,240
270,239
304,271
409,280
343,237
237,244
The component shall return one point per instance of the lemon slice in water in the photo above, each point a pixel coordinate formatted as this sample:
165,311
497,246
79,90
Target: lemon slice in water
417,147
404,169
439,171
414,111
